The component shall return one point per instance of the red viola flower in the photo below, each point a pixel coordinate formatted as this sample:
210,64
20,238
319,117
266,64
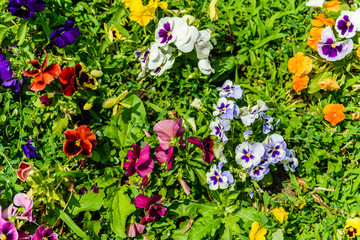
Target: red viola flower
70,77
24,171
42,75
79,140
206,147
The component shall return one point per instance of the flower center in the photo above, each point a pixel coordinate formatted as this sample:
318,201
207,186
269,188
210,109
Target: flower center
217,177
332,45
3,237
23,8
168,34
256,169
223,109
247,155
348,24
77,143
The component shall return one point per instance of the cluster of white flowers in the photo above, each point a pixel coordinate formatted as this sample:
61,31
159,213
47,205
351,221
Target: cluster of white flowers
185,38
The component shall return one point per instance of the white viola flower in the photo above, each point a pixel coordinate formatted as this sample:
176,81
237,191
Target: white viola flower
356,19
156,56
203,45
248,155
344,25
205,66
315,3
167,63
187,43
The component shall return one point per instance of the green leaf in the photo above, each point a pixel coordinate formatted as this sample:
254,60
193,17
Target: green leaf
278,235
268,39
204,226
22,32
71,224
3,31
191,208
314,84
121,208
60,123
90,201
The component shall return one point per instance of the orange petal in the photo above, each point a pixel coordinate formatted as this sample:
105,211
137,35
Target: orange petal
37,86
54,70
300,82
358,53
333,6
333,108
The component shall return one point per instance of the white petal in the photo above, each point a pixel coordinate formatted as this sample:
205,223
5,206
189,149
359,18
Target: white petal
188,46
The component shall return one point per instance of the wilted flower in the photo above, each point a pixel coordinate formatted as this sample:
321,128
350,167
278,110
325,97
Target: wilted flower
219,127
248,116
214,11
358,53
247,134
94,189
70,77
229,89
113,33
134,229
300,64
280,214
248,155
333,5
315,34
315,3
117,103
83,190
344,25
217,179
256,232
8,230
20,200
329,84
44,234
352,227
25,169
45,100
334,113
79,140
321,20
140,161
226,108
153,212
42,75
219,153
65,35
331,50
26,9
274,148
29,150
205,66
300,82
206,147
203,44
167,130
290,161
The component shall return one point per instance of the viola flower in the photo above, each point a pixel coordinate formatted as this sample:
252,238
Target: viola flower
333,5
331,50
196,103
83,190
329,84
315,34
29,150
344,25
140,161
14,83
248,116
134,229
42,75
321,20
25,170
248,155
267,126
280,214
229,89
165,156
352,227
247,134
113,33
219,127
258,172
79,140
274,148
26,9
203,44
217,179
45,100
206,147
205,66
70,77
166,64
94,189
226,108
334,113
166,130
5,68
44,234
315,3
290,161
65,35
300,64
153,212
8,230
300,82
23,200
256,232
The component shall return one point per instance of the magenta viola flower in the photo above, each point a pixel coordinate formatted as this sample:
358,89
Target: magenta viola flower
153,212
45,100
134,229
165,156
206,147
167,130
26,9
8,230
44,234
140,161
65,35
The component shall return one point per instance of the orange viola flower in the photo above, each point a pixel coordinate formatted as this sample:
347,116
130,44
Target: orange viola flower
300,82
321,20
300,64
329,84
334,113
333,6
315,34
358,53
42,75
79,140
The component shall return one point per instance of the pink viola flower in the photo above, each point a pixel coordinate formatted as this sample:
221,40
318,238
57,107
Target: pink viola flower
206,147
134,229
165,156
44,234
140,161
167,130
153,212
20,200
25,169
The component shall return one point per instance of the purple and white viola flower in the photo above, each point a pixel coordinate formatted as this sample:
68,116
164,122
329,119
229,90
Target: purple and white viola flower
274,148
267,126
226,109
331,50
229,89
217,179
355,19
219,127
290,162
205,66
167,63
8,230
248,155
344,25
248,116
258,172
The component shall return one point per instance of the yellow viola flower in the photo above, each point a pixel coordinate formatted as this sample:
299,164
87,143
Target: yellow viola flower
352,227
256,232
280,214
113,33
214,11
116,103
157,3
133,5
142,15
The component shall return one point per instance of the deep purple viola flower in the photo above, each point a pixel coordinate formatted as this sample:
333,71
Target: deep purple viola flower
83,190
14,83
5,68
153,212
165,156
26,9
258,172
206,147
94,188
140,161
344,25
165,33
8,230
45,100
42,234
331,50
29,150
65,35
229,89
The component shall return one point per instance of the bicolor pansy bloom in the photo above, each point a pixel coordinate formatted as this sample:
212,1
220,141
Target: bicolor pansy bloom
290,161
274,148
217,179
344,25
259,171
226,109
248,116
229,89
8,230
248,155
219,127
331,50
352,227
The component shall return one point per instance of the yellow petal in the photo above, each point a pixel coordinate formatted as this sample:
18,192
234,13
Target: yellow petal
214,11
121,96
163,5
329,84
90,85
125,104
109,102
96,73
